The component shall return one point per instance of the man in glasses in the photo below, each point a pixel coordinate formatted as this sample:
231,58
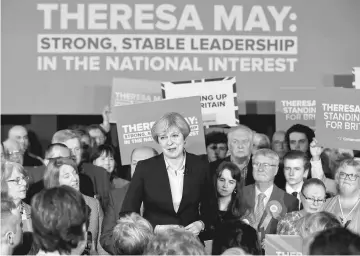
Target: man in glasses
267,202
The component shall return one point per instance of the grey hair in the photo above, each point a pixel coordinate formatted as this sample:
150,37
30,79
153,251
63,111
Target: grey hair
132,234
267,153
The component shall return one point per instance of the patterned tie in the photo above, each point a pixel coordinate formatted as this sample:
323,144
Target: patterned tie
259,208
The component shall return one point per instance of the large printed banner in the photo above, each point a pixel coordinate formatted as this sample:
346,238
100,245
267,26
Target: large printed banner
218,98
295,106
338,118
72,49
134,123
283,245
127,91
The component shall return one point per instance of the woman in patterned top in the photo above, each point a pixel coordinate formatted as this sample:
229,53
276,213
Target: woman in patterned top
346,205
312,197
63,171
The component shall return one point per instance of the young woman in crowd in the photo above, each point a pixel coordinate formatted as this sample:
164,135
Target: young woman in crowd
63,171
104,156
230,203
346,205
313,194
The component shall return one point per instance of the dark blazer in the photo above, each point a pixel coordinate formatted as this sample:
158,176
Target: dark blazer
111,215
249,176
288,202
100,180
150,185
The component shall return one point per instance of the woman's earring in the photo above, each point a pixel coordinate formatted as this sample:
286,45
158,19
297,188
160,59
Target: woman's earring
234,191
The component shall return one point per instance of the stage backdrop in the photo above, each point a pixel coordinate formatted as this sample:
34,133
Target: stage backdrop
61,56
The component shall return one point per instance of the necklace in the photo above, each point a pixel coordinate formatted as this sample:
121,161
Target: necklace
344,219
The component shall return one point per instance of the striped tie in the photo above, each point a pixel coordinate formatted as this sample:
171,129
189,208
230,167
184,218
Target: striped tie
260,207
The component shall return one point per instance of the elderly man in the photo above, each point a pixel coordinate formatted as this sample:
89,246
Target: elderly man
117,197
240,141
20,134
267,202
99,177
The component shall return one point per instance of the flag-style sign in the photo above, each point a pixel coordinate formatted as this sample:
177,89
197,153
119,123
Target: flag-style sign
218,98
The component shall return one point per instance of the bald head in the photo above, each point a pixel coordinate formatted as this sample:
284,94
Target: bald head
278,143
19,134
140,154
56,150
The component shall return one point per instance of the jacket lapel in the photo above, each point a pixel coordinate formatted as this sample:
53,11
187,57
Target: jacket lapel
275,195
187,183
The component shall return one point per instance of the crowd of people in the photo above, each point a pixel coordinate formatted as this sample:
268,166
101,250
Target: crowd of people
73,200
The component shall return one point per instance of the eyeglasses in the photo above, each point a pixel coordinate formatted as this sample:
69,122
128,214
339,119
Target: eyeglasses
240,142
265,165
19,179
313,200
351,177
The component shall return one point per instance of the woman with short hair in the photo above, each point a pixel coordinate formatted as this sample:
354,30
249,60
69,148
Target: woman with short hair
174,185
63,171
312,196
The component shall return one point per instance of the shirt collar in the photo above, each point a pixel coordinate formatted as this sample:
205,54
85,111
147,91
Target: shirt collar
290,190
181,169
267,192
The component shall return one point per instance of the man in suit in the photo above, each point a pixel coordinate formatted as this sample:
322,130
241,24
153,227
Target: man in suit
240,141
266,201
116,199
296,169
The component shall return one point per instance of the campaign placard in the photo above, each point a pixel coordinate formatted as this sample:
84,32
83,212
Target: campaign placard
127,91
338,118
218,98
283,245
295,106
134,123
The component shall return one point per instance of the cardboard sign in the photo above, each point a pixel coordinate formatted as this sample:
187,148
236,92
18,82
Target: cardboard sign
295,106
127,91
283,245
338,118
218,98
134,123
